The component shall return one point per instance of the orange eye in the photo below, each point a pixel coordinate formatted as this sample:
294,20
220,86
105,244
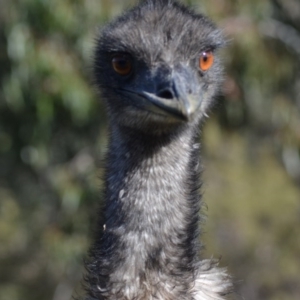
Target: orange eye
122,64
206,60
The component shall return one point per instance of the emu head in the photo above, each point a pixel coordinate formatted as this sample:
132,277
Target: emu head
156,66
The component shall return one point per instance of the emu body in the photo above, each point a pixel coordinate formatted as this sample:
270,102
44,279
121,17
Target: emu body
149,245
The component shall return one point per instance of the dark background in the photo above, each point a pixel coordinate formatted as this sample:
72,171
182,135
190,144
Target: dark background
53,136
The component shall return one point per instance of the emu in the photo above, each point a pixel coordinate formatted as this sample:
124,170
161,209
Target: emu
158,72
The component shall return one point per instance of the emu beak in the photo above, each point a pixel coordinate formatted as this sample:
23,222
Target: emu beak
181,108
176,97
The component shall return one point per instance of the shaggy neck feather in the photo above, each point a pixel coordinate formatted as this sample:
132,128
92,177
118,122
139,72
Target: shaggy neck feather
152,203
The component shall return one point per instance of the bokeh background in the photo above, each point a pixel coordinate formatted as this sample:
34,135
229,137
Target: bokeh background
53,137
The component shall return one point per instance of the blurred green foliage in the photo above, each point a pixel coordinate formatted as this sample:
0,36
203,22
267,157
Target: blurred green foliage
53,136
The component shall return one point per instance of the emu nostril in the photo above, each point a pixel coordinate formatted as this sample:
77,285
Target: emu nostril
166,94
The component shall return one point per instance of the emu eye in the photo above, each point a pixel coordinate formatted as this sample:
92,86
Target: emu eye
206,60
122,64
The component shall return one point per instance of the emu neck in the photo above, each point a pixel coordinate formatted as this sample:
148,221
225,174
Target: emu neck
152,202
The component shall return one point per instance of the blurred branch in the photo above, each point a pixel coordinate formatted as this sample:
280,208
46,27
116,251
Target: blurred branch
290,8
280,31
